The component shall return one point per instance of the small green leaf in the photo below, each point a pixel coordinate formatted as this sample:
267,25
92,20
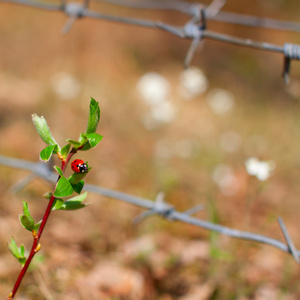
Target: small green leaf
74,143
22,260
26,219
78,198
26,209
28,223
94,116
63,188
18,253
37,225
74,203
46,153
78,186
77,177
43,129
13,248
57,203
93,140
83,139
65,150
22,250
59,170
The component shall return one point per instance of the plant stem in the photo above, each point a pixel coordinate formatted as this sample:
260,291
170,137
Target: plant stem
36,236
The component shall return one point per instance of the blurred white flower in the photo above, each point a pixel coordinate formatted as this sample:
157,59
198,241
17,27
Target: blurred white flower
224,177
220,101
163,112
192,83
153,88
66,86
260,169
230,141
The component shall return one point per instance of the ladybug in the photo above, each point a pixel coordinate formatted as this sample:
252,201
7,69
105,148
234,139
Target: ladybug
79,166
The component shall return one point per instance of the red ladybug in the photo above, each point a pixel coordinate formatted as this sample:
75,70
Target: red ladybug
79,166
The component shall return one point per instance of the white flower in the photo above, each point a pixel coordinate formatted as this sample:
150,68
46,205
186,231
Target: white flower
220,101
66,86
260,169
163,112
192,83
153,88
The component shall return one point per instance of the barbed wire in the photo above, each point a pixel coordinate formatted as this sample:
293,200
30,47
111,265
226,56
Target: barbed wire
195,29
157,207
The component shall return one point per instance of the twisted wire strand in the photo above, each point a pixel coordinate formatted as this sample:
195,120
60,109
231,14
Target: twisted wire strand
193,29
159,207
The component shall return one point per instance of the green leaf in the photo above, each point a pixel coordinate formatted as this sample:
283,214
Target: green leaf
26,219
37,225
70,205
46,153
94,117
26,209
65,150
18,253
78,186
74,203
43,130
22,260
77,177
93,140
27,222
74,143
59,170
13,248
78,198
63,188
83,139
57,203
22,250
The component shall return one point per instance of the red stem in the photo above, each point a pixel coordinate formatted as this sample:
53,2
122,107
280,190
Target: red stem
37,237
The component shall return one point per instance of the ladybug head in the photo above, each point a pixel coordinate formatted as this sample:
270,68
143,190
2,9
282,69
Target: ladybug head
79,166
82,168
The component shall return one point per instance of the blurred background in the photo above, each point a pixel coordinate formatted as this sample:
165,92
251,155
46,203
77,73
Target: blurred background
187,133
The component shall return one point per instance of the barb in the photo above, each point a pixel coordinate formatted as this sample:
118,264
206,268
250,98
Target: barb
160,207
289,241
194,29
